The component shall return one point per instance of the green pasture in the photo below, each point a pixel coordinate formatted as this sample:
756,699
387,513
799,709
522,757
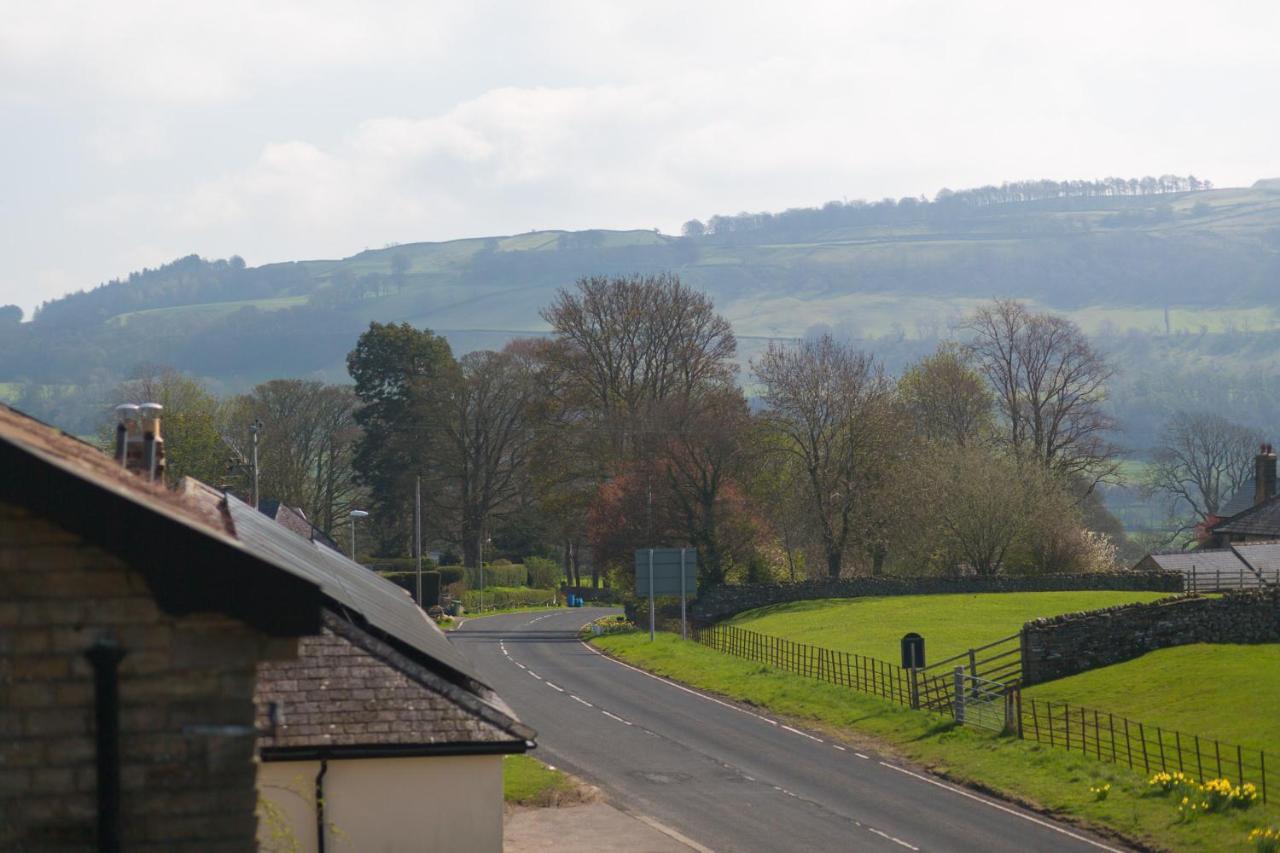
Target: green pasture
1226,692
950,624
1053,779
211,310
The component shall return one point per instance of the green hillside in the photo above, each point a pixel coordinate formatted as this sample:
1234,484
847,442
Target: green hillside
1191,274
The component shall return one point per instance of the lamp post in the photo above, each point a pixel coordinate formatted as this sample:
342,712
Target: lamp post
354,514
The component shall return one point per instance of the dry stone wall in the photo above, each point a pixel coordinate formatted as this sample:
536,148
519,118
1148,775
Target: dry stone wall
1076,642
724,601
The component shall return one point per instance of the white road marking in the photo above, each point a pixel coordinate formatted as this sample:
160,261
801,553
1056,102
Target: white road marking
555,686
803,734
615,717
897,840
863,757
534,674
679,686
517,663
580,699
953,789
839,747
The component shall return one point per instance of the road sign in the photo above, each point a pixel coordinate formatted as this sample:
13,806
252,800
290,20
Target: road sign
667,571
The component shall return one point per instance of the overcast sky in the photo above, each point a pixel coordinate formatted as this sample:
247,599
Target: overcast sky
134,133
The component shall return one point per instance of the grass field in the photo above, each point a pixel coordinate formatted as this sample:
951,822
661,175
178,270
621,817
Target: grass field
212,309
1227,692
1052,778
527,781
950,624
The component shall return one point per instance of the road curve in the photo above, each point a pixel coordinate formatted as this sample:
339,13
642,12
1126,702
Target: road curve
724,777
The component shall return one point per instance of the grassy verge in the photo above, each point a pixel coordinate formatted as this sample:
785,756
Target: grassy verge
950,624
526,781
455,623
1228,692
1051,779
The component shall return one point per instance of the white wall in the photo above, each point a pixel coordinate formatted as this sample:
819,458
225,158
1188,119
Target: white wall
384,805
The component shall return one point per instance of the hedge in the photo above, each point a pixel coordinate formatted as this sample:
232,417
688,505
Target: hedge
543,573
500,599
497,576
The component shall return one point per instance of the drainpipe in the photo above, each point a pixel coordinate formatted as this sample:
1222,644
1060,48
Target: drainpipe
324,768
105,657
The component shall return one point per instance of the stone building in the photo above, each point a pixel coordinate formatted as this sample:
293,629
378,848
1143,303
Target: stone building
173,661
131,628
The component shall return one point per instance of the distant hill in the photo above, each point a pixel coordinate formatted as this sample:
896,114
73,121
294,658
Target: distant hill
1159,258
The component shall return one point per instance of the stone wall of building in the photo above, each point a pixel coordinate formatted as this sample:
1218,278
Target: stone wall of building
724,601
186,703
1075,642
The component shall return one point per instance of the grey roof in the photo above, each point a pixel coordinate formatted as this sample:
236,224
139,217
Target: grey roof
1240,501
1208,560
381,605
1262,520
1261,556
348,689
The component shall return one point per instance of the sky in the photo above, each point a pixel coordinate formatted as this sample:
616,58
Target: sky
138,132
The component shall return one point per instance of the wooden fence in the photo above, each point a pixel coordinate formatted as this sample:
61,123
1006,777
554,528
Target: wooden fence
1142,746
1216,580
1091,732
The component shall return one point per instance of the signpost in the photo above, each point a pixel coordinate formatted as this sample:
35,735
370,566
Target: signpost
913,661
667,571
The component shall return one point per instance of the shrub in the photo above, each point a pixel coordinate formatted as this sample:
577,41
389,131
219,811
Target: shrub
501,599
543,573
495,575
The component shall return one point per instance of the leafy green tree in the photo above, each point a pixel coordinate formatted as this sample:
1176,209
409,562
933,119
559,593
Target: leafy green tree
947,400
403,377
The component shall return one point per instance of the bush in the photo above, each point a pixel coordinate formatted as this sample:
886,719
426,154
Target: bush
497,576
543,573
501,599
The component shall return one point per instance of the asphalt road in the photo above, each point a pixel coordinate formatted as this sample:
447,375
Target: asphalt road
722,776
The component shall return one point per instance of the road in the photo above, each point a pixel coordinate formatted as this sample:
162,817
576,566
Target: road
723,777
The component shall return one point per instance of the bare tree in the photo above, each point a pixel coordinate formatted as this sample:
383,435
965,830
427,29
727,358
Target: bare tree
834,411
489,440
306,445
1202,460
635,341
704,456
946,399
1050,386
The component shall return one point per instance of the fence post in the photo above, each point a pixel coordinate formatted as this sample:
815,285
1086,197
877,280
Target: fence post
915,690
957,702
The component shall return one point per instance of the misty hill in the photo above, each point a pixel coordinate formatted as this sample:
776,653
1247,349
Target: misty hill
1166,258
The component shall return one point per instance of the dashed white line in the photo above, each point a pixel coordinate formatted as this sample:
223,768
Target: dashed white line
679,686
615,717
554,686
580,699
999,807
534,674
863,757
803,734
517,663
839,747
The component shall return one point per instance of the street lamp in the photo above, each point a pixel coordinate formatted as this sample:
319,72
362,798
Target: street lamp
354,514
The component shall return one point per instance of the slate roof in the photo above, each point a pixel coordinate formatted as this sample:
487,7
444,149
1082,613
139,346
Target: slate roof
1262,520
1207,560
349,693
1263,557
182,545
296,520
380,606
1240,501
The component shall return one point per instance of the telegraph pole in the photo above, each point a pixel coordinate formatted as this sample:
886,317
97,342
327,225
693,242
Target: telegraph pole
417,531
254,429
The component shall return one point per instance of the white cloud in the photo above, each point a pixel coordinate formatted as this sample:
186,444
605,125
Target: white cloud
303,129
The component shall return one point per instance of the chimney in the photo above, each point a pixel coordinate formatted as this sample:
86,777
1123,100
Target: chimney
1264,474
139,444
